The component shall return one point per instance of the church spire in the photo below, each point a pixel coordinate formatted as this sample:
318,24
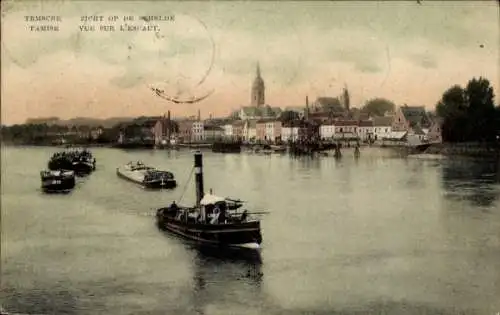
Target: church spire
258,89
345,97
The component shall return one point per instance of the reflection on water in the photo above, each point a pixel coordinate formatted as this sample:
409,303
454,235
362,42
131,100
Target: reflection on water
39,301
472,180
226,282
376,235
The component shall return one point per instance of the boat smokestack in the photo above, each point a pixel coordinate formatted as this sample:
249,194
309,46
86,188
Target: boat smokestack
198,171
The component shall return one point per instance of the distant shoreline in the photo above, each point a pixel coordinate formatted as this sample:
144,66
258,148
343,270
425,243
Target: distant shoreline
491,150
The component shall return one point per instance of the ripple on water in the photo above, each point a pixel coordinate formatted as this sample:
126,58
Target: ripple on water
377,235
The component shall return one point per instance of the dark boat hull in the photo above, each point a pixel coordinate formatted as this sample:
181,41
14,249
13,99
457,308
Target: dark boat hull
226,147
83,167
421,147
158,184
236,235
80,167
58,185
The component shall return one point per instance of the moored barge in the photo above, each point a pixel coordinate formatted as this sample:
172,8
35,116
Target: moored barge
81,162
146,176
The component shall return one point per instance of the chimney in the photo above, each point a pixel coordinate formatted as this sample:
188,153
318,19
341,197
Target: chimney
306,113
198,170
168,124
199,115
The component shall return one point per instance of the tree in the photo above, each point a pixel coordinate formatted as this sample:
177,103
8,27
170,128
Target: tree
468,114
481,110
288,115
378,107
497,122
453,109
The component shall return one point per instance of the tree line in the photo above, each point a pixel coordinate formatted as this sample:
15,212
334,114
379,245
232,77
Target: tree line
46,134
469,114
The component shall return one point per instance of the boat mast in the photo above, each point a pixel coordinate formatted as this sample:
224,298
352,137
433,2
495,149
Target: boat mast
198,171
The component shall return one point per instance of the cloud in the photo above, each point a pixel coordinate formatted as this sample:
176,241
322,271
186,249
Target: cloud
303,48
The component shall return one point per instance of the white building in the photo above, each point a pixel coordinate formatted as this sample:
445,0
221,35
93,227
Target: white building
346,129
327,130
382,127
269,131
228,130
366,130
289,133
250,130
197,131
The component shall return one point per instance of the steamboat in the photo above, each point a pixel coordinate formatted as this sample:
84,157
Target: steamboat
146,176
214,221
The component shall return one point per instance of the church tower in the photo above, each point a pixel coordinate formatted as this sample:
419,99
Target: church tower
345,98
258,90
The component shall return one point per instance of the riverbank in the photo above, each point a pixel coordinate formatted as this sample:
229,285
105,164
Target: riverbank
88,145
446,149
465,149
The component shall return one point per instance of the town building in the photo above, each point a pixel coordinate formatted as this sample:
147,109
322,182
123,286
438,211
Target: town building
185,130
268,130
198,131
228,130
327,129
345,129
413,120
309,130
212,133
237,130
366,130
434,134
289,131
408,117
382,127
250,130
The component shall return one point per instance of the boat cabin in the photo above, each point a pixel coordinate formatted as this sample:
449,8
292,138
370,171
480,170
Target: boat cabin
137,166
213,209
56,174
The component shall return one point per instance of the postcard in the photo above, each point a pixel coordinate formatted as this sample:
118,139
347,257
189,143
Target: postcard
250,157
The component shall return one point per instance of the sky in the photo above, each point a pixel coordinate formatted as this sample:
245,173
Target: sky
404,51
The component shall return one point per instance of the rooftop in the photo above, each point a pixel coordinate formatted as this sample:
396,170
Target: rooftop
382,121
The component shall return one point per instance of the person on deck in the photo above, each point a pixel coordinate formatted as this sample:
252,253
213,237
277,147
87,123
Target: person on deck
174,206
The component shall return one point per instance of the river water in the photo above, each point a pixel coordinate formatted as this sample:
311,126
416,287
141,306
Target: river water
377,235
